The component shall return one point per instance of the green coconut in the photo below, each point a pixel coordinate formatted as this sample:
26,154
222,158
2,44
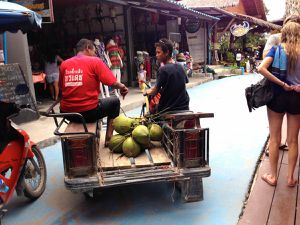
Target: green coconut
156,132
122,124
141,135
131,148
137,121
116,142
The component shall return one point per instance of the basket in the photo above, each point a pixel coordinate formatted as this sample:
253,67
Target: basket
188,147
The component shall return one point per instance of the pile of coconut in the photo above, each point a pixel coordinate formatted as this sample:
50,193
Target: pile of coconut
134,135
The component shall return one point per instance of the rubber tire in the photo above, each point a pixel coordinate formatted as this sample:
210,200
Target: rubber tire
28,191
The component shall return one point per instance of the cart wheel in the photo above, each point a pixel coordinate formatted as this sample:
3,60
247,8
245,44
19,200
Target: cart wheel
191,190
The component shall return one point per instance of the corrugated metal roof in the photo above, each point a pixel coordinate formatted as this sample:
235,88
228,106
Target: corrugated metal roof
187,8
210,3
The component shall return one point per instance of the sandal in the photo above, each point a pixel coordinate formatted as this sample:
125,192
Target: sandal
266,178
283,147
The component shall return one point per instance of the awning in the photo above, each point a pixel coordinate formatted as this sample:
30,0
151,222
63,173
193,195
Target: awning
14,17
169,7
222,14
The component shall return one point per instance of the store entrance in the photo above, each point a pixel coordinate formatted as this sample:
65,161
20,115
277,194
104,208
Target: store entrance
99,22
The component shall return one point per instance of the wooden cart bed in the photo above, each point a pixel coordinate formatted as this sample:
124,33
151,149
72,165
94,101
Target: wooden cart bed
109,161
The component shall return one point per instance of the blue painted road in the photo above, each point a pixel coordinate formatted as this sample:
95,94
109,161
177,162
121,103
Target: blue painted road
236,141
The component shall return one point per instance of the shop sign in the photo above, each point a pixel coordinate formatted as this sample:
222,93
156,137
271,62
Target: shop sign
197,45
42,7
239,30
192,25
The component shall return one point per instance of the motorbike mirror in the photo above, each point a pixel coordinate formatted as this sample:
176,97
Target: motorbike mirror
21,89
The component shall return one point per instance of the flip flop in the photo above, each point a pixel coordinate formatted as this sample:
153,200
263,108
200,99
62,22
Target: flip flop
293,184
265,178
283,147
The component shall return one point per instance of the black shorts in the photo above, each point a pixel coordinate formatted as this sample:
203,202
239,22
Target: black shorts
286,102
109,107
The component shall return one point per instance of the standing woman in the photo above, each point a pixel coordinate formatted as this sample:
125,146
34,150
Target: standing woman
52,72
286,100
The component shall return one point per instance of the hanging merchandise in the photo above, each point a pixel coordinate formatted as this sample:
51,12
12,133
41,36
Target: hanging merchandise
147,65
139,58
154,18
189,64
100,52
116,61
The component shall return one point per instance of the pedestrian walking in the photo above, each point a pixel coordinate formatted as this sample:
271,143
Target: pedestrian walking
286,86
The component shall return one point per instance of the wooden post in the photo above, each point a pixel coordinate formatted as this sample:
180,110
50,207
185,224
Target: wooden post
214,47
129,44
231,44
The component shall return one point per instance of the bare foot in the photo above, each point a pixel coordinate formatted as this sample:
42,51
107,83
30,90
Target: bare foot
292,182
269,179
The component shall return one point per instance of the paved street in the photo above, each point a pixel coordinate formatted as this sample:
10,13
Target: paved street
236,141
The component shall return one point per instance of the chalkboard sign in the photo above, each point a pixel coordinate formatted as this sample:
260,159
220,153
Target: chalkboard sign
11,75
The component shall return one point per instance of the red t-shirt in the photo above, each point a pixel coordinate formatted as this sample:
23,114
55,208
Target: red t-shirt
79,82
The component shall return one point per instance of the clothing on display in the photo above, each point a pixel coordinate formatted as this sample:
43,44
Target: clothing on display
147,64
116,61
113,53
100,52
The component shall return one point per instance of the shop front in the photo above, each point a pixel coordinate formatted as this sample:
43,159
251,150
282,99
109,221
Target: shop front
134,26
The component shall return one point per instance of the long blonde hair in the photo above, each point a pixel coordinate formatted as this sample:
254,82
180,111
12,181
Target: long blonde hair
290,37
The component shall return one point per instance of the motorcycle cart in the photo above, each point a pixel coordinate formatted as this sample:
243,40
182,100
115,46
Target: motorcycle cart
182,157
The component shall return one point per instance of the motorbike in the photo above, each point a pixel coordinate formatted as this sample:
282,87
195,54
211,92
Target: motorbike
22,165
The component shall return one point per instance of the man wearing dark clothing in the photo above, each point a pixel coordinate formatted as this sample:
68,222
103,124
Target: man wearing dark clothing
171,80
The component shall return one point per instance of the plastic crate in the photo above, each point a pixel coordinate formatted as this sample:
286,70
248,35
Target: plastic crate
188,147
79,153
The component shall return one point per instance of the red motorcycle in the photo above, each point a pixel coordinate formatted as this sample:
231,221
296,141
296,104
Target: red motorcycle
22,166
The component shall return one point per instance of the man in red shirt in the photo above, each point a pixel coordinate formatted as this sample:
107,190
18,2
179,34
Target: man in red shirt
79,82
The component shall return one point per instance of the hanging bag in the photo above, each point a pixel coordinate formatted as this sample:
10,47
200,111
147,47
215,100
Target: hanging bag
259,94
262,93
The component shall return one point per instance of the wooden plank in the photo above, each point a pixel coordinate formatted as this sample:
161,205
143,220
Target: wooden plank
159,156
297,169
78,127
260,199
297,219
142,160
108,160
284,202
